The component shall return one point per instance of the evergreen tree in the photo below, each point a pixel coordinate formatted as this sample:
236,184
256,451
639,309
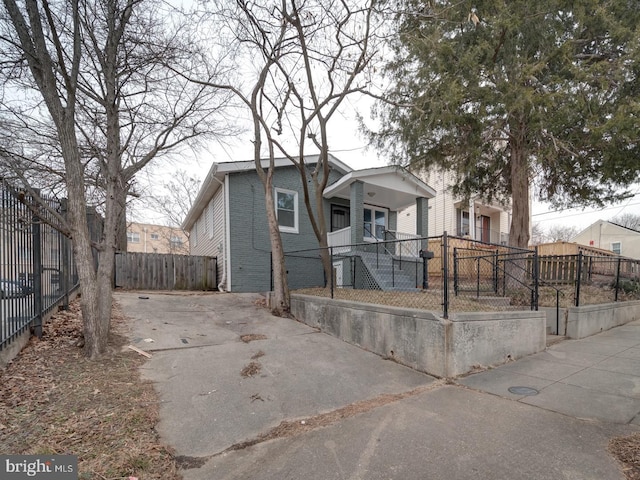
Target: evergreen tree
517,95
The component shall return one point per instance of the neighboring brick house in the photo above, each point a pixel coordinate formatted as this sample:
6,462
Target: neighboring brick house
228,220
610,236
149,238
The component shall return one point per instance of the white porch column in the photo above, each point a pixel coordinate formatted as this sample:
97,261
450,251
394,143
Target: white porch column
472,219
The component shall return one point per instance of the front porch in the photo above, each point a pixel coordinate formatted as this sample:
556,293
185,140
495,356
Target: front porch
364,208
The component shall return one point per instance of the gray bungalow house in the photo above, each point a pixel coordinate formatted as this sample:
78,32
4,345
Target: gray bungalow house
228,220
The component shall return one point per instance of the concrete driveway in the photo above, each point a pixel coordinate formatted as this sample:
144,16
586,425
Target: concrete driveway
291,402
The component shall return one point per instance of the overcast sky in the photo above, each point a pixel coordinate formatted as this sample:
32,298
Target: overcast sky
348,144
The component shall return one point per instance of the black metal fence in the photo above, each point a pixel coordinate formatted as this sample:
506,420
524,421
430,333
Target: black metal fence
37,270
448,273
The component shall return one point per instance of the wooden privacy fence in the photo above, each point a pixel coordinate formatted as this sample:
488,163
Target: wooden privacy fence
159,271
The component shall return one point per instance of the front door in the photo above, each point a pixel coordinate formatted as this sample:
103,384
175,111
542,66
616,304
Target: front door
375,223
485,225
340,217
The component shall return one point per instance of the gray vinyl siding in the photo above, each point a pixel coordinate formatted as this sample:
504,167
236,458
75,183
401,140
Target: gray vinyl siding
250,248
210,231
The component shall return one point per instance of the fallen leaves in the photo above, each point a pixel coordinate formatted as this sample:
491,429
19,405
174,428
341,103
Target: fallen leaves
53,399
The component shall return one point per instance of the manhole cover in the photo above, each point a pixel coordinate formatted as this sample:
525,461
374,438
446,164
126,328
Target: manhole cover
528,391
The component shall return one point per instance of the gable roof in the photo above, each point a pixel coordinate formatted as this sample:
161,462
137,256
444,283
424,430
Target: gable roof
391,186
217,172
628,230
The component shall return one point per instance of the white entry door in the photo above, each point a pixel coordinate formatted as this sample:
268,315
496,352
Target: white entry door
337,274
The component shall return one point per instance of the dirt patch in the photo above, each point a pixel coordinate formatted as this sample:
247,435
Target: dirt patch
55,401
627,451
252,336
185,462
289,428
253,368
257,355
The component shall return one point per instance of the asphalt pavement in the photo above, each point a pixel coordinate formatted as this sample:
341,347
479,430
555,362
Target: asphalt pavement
245,395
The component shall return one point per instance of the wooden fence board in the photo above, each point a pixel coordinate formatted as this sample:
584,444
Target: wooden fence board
155,271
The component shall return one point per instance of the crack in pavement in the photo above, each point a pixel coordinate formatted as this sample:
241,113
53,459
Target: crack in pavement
290,428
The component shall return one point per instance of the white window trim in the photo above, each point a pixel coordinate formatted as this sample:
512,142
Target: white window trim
619,243
386,221
283,229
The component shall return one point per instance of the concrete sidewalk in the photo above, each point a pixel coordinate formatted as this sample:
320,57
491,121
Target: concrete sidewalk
597,377
353,427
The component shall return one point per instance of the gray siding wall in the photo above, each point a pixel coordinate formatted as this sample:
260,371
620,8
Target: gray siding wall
250,247
210,231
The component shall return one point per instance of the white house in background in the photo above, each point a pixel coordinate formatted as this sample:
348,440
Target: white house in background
610,236
474,219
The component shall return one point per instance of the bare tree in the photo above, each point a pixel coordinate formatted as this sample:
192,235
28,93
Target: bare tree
537,234
337,44
178,195
629,220
95,70
561,233
308,57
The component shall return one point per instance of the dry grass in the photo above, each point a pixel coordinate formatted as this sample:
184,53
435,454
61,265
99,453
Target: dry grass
55,401
468,302
627,451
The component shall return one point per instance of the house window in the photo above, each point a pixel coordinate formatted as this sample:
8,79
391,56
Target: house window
375,223
287,210
616,247
462,222
155,236
176,241
133,237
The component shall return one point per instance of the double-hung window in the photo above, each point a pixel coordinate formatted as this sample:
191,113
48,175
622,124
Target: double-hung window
287,210
133,237
616,247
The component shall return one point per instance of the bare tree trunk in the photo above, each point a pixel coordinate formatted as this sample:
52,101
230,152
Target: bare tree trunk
281,305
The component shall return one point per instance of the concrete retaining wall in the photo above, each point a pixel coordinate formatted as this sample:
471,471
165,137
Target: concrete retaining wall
555,318
422,340
591,319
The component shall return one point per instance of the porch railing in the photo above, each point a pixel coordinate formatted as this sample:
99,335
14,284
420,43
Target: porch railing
340,240
406,247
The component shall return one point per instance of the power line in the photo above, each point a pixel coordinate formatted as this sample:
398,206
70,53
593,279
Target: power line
577,214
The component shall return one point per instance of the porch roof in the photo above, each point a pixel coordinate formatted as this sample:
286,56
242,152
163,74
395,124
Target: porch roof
392,187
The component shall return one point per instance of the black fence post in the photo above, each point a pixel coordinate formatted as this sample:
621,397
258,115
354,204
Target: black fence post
66,261
478,277
425,273
271,269
445,275
495,272
456,272
536,278
618,278
36,232
579,279
331,276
